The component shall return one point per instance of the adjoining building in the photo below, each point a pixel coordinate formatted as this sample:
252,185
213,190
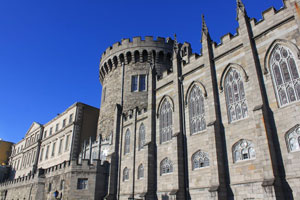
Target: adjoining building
45,163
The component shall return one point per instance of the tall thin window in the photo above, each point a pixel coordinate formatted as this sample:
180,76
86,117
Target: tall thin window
104,94
293,139
71,118
47,151
200,159
196,110
134,83
243,150
42,152
165,121
142,136
142,83
67,143
127,142
56,127
60,145
53,149
166,166
285,75
50,133
141,171
64,123
235,96
125,174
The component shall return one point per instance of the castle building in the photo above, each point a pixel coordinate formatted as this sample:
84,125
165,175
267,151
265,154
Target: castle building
173,124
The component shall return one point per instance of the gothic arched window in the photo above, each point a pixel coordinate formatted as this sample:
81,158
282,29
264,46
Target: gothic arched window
285,75
165,121
142,133
166,166
196,110
200,159
127,142
293,139
243,150
141,171
125,174
235,96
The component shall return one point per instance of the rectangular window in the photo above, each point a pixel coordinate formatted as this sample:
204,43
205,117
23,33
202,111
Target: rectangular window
64,123
41,156
134,83
60,145
53,149
56,127
50,187
50,131
103,93
45,134
71,118
82,183
67,143
47,151
62,184
142,83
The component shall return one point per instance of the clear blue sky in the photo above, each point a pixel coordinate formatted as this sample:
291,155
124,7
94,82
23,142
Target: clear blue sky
50,50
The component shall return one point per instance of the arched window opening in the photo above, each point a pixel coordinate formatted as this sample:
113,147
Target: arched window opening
122,59
136,56
165,121
166,166
142,133
125,174
128,57
200,159
141,171
293,139
161,57
115,59
285,75
235,96
243,150
145,56
110,64
105,68
127,142
196,110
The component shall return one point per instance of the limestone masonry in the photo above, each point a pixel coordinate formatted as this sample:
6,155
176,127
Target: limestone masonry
220,125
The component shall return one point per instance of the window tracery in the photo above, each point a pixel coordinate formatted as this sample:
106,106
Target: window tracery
142,134
166,166
165,121
235,96
196,110
200,159
127,142
285,75
243,150
293,139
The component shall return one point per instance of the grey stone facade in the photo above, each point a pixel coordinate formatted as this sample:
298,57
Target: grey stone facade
267,171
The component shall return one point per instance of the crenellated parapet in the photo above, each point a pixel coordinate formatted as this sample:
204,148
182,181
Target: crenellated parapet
136,51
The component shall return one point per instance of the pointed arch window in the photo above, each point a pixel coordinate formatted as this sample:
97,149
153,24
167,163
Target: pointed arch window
165,121
141,171
285,75
243,150
235,96
142,133
127,142
166,166
196,110
200,159
293,139
125,174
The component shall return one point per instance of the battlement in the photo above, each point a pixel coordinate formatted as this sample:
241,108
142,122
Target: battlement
134,51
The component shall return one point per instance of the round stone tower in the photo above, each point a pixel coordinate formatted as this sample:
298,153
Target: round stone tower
123,72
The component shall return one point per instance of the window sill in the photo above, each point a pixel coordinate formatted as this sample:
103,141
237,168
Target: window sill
242,161
198,133
200,168
236,121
